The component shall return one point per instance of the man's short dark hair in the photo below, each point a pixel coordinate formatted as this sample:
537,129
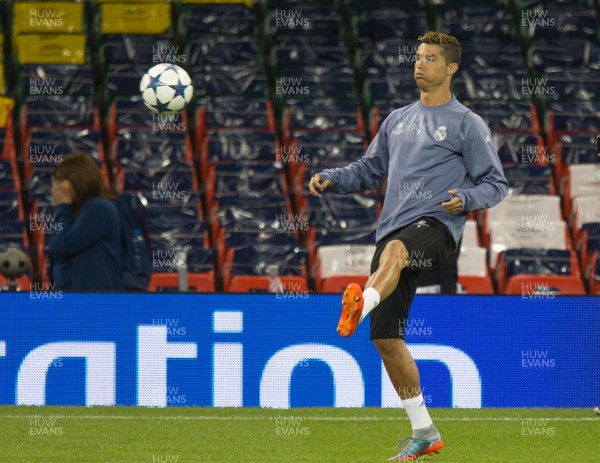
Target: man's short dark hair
449,45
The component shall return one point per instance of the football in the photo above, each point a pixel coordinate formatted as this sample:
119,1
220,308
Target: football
166,88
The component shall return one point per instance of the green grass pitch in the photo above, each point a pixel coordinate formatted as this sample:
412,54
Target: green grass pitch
313,435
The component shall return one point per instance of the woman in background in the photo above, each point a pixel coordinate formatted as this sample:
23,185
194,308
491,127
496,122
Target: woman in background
86,253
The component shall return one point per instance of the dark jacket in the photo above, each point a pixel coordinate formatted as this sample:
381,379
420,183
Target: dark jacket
87,253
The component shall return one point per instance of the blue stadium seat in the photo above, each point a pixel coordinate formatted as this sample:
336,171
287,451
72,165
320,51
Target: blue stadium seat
322,149
319,115
388,52
12,229
230,79
246,178
169,255
490,52
341,212
395,84
559,53
230,146
250,213
310,20
316,82
489,84
537,262
256,259
477,21
573,84
573,149
65,140
61,112
525,179
123,79
233,112
389,21
237,145
262,218
513,116
337,236
54,79
138,147
310,152
38,186
165,213
311,51
554,19
11,208
165,181
343,220
197,258
181,232
9,176
266,268
224,51
146,50
129,112
521,148
539,271
576,118
217,19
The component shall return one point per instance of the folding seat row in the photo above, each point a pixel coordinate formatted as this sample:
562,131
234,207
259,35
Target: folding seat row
539,272
340,238
473,272
157,168
257,243
182,258
557,19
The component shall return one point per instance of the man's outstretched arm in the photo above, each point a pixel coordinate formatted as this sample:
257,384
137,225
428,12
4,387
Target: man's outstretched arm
368,173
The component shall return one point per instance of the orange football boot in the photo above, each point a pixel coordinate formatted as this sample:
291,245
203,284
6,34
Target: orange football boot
352,306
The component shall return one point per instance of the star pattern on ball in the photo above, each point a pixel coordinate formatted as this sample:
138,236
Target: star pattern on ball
154,81
162,107
179,90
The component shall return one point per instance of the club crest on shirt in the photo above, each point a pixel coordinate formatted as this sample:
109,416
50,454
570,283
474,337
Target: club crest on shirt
440,133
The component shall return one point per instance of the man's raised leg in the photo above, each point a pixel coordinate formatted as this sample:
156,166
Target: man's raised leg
356,305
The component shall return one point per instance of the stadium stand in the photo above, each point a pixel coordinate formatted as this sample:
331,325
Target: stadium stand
283,89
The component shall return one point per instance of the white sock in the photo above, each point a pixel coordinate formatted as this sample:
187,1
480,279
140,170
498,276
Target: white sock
371,299
417,412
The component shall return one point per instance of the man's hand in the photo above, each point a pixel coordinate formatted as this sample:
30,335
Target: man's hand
315,185
455,205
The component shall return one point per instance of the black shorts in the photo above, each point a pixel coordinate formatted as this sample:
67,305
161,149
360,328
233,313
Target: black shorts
428,243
